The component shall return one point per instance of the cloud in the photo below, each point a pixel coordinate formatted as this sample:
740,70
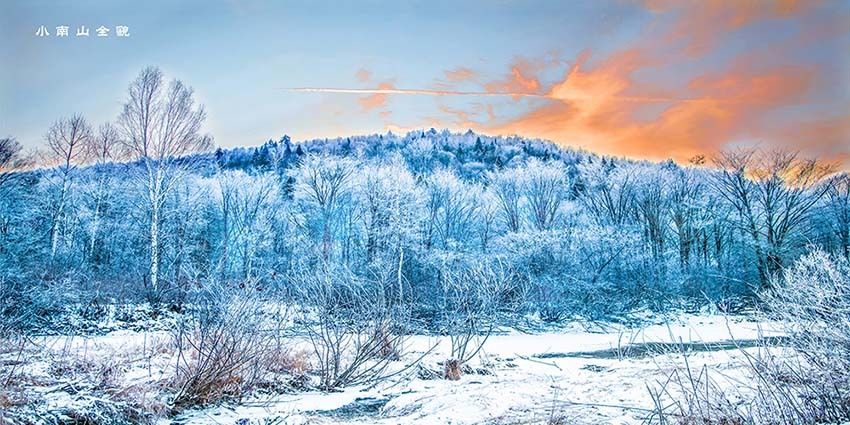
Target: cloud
598,107
700,23
462,118
521,80
363,75
687,85
622,104
460,74
379,97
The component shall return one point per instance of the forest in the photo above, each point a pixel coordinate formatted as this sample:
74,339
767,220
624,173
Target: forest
374,238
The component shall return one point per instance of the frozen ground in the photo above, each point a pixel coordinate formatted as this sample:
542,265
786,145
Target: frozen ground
577,374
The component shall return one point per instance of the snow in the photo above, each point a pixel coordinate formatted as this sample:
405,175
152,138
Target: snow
530,377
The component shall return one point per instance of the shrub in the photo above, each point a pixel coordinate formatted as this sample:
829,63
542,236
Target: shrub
354,332
225,349
470,297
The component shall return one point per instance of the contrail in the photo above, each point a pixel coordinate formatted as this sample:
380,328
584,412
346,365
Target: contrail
428,92
422,92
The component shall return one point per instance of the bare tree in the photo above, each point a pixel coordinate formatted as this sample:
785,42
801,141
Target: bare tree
451,208
487,215
773,193
104,149
68,146
471,296
11,162
247,210
506,185
610,194
545,189
161,130
684,192
324,183
354,333
838,208
11,159
651,202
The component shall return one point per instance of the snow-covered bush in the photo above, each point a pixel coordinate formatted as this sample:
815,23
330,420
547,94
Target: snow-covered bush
813,301
354,330
226,348
470,299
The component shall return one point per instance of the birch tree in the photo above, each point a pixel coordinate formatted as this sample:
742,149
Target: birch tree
161,126
68,146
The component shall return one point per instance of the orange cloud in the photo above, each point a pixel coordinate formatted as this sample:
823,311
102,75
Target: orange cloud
462,117
376,100
701,22
521,79
363,75
459,74
622,104
825,137
596,108
604,107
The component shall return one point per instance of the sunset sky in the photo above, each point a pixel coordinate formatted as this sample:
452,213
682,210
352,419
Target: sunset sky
652,79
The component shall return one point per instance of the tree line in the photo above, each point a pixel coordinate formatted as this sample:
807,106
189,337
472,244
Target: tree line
143,209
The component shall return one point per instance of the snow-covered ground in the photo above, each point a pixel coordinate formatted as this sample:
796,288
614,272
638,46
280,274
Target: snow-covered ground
579,374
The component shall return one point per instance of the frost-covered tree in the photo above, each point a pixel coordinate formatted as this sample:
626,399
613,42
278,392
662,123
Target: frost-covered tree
579,233
545,185
685,194
323,190
838,210
247,208
507,186
11,159
68,146
392,207
651,200
451,210
773,194
608,194
105,148
161,129
12,162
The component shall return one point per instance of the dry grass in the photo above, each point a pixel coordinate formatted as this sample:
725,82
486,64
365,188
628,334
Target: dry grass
292,361
452,370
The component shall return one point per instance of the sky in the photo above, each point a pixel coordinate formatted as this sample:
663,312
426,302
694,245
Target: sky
652,79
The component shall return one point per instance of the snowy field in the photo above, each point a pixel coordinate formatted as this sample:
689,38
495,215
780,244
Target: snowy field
576,374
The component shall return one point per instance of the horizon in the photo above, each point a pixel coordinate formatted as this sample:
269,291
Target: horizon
651,80
707,161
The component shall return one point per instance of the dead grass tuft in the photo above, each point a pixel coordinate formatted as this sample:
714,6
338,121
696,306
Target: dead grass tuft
452,370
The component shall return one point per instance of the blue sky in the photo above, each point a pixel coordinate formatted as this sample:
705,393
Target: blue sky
651,79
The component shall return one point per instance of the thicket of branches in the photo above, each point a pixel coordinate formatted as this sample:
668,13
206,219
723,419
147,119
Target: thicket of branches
802,381
141,210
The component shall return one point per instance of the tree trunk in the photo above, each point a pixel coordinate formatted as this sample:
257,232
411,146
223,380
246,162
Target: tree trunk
154,271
